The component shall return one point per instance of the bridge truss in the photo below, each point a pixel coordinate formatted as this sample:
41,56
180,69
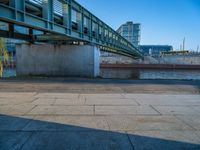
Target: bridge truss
60,21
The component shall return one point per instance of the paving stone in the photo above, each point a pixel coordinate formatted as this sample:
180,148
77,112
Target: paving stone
70,101
57,95
93,96
35,121
15,101
21,109
192,120
13,123
198,134
98,140
44,101
110,101
196,108
62,110
13,140
165,99
122,110
151,96
145,123
66,123
165,140
16,94
177,110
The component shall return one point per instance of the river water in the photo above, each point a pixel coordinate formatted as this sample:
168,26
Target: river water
137,74
151,74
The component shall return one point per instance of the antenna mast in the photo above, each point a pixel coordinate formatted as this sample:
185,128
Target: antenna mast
184,44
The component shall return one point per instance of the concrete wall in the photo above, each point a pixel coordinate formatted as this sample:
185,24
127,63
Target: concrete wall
58,60
177,59
111,58
149,60
182,59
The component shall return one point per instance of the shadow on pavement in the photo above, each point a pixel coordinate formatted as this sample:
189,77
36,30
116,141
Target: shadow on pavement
29,134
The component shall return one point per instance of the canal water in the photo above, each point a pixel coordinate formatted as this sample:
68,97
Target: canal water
137,74
151,74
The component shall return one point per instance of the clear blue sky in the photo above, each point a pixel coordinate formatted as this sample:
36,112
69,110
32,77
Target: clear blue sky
163,21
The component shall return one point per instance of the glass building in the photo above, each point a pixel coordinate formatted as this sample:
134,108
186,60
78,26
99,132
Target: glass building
131,31
154,50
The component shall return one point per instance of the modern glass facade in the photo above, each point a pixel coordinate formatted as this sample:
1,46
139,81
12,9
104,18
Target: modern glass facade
131,31
154,50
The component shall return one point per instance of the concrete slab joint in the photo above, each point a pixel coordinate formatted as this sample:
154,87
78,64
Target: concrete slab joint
58,60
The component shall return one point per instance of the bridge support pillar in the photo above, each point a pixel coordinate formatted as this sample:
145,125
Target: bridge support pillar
58,60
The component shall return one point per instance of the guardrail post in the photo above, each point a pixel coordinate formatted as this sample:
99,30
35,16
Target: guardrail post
79,20
47,12
81,23
11,30
90,27
12,3
69,17
65,8
18,4
97,30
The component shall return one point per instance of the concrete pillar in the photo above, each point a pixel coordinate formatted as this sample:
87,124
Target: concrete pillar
58,60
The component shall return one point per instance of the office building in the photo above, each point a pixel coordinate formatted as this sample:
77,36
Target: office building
155,50
131,32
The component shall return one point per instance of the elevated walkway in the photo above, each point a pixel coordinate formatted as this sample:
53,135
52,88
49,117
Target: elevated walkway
63,21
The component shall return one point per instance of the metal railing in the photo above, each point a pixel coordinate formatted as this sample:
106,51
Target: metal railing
55,16
39,2
58,8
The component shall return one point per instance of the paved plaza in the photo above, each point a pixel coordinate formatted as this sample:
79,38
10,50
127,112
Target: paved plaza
39,116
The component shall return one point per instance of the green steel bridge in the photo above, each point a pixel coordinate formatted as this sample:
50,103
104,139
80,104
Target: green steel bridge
60,21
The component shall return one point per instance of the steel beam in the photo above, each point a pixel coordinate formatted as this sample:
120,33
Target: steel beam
8,34
17,13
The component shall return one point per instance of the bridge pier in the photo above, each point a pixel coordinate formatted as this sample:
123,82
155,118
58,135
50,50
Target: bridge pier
58,60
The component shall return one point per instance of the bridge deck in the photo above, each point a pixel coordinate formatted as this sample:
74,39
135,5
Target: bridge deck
65,18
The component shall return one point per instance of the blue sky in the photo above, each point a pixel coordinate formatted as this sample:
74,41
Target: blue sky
163,21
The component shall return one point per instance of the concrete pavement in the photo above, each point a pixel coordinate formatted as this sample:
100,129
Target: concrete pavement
63,120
